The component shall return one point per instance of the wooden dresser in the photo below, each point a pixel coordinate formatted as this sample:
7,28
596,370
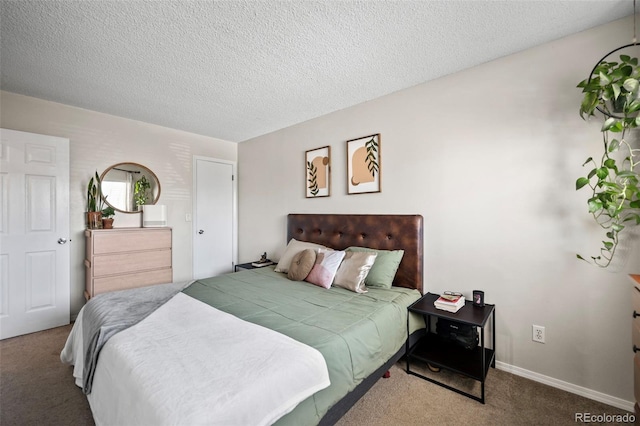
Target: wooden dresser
635,298
122,258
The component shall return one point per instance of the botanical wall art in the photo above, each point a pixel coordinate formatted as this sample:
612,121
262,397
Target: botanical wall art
318,172
363,165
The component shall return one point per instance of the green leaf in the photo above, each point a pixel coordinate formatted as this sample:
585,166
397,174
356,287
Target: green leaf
616,90
634,106
587,160
608,123
602,172
604,79
617,127
581,182
610,163
614,145
635,217
594,205
589,103
631,84
625,58
617,227
608,245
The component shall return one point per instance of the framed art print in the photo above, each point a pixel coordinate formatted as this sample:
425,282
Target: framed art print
318,172
363,165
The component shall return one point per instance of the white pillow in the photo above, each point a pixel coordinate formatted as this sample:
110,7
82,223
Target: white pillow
294,247
324,270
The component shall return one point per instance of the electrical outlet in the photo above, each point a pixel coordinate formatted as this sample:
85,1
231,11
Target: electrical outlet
538,333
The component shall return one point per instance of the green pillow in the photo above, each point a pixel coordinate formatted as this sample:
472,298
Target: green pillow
384,268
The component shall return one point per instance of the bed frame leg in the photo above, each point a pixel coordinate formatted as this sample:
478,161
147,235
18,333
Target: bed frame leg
387,374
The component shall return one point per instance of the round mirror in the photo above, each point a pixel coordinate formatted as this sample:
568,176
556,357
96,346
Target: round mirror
127,186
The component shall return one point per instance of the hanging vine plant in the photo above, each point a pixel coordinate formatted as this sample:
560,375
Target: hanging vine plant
612,180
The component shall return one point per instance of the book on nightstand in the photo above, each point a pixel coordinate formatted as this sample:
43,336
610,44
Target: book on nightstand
449,302
261,263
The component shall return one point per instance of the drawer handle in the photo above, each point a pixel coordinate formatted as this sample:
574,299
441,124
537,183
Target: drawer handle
637,289
635,348
635,314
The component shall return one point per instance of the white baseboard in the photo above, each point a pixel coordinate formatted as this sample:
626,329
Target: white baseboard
569,387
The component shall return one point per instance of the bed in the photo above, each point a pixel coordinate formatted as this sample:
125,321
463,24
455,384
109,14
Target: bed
359,336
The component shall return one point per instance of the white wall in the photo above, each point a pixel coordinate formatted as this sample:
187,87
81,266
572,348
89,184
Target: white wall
489,156
98,141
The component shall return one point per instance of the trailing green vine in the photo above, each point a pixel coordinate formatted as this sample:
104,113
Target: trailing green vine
613,88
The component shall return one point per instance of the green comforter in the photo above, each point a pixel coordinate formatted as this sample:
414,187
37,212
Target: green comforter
356,333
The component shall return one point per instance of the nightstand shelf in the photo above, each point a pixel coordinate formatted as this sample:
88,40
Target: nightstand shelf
436,351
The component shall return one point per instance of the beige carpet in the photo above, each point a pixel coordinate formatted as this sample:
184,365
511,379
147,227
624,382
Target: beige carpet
37,389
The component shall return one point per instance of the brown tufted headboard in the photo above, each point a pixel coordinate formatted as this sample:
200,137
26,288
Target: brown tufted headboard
384,232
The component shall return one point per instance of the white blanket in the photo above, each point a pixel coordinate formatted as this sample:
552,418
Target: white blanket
189,363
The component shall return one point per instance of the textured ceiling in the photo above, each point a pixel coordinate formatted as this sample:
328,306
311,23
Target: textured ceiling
235,70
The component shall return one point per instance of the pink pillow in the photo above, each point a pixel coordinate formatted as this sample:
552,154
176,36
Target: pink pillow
324,270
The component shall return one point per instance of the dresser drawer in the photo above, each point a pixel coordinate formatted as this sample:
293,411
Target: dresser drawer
130,262
119,241
126,281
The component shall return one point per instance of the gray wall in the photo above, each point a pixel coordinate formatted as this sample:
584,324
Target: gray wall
489,156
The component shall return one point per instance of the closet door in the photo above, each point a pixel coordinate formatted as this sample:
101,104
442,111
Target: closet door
214,238
34,232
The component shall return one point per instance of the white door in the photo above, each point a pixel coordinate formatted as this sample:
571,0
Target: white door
34,229
214,222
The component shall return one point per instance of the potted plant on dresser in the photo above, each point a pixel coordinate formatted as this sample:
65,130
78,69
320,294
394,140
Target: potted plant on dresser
94,203
107,217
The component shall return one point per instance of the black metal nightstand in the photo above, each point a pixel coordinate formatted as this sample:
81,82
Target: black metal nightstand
240,266
434,350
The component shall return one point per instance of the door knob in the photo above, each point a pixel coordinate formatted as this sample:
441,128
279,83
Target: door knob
62,241
201,232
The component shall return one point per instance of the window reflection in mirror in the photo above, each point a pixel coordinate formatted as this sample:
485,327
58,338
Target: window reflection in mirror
127,186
